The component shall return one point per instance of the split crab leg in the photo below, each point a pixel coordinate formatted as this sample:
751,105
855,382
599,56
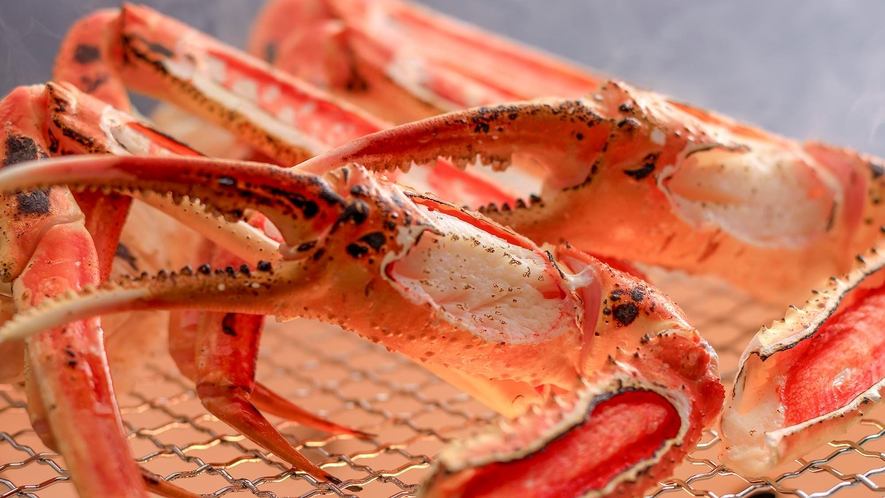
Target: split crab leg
470,297
807,378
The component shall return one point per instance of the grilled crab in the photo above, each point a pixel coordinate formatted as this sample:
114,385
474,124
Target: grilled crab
620,142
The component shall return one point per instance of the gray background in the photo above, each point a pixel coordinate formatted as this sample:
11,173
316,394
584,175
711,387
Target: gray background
812,69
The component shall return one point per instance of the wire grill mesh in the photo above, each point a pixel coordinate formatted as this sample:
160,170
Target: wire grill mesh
413,414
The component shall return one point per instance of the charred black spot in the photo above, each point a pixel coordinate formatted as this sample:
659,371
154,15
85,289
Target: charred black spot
205,269
20,148
70,352
357,211
125,254
307,246
228,324
629,124
160,49
375,240
90,85
84,53
34,202
357,251
270,52
226,181
640,173
513,115
359,190
877,170
244,269
264,266
579,136
481,127
626,107
648,166
616,295
625,313
606,311
637,294
307,207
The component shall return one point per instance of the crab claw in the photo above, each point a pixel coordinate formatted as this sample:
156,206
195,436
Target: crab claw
808,377
654,181
513,322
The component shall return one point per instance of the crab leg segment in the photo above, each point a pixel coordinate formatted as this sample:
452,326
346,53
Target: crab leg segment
436,59
629,425
807,378
49,252
162,58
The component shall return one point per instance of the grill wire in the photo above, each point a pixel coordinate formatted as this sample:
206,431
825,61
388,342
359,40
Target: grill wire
412,413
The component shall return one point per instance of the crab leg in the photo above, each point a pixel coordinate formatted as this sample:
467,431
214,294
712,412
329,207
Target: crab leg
807,378
48,252
160,57
369,47
357,250
86,125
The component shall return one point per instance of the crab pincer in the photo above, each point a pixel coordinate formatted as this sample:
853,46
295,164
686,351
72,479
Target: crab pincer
632,174
514,323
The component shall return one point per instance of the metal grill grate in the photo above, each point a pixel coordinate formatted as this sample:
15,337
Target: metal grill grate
353,382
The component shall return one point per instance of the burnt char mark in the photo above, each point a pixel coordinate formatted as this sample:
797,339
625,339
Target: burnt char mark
307,207
158,48
877,170
270,52
125,254
86,54
616,295
357,251
375,240
625,313
20,148
264,266
637,294
34,202
90,85
226,181
228,324
647,168
357,211
307,246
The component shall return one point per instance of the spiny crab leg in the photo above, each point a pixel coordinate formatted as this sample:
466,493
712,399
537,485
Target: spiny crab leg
140,49
657,182
808,377
359,250
86,125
